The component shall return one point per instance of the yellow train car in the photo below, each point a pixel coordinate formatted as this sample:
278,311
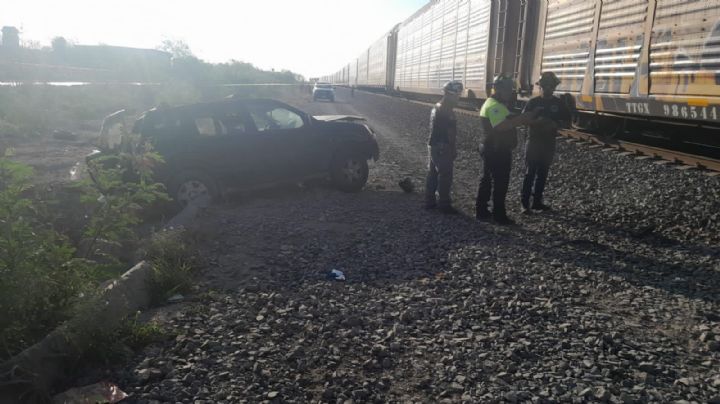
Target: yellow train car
657,59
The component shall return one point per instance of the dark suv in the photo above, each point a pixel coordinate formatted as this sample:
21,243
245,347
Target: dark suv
244,144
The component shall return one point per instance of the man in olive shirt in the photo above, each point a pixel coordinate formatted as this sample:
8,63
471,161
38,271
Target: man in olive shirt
540,148
442,149
500,140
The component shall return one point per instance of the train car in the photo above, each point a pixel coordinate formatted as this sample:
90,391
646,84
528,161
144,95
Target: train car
381,61
465,40
336,78
344,80
362,69
655,59
376,65
353,73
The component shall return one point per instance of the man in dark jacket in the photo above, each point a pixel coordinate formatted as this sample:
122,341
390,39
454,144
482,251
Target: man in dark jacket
540,147
442,149
500,140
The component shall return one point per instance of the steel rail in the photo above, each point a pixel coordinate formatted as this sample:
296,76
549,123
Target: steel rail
687,159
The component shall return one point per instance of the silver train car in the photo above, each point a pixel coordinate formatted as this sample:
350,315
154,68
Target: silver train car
444,40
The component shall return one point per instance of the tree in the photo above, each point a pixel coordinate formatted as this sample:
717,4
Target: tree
10,37
59,44
176,47
31,44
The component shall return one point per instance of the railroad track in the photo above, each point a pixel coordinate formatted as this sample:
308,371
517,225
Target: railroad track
686,159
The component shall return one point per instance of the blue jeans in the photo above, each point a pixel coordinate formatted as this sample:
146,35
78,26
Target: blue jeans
495,181
537,172
440,174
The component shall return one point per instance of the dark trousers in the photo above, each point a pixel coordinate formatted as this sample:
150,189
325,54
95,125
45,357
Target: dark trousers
495,181
537,172
440,174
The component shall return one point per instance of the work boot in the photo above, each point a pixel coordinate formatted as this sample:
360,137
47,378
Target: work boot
541,206
525,207
448,210
482,215
503,220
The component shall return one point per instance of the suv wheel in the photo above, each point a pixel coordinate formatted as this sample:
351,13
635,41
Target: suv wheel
349,171
190,186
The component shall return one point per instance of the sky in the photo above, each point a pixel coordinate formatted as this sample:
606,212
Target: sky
310,37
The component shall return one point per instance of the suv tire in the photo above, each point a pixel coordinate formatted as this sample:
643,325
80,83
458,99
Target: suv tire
190,185
349,171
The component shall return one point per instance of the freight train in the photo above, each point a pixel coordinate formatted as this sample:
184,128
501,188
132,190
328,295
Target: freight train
648,60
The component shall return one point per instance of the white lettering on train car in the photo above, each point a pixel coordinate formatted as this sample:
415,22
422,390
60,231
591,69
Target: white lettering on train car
641,108
690,112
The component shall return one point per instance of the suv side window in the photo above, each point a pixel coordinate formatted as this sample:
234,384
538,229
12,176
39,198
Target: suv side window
234,124
206,127
270,117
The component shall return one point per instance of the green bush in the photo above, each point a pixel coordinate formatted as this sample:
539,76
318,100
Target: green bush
112,345
39,280
42,275
173,265
119,188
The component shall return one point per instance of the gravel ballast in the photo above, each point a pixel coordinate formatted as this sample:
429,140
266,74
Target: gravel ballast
613,297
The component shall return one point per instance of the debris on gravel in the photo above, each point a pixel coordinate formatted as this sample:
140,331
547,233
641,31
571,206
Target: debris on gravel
407,186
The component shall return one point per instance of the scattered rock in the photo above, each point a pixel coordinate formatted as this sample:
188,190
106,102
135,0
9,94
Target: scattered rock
567,307
601,394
